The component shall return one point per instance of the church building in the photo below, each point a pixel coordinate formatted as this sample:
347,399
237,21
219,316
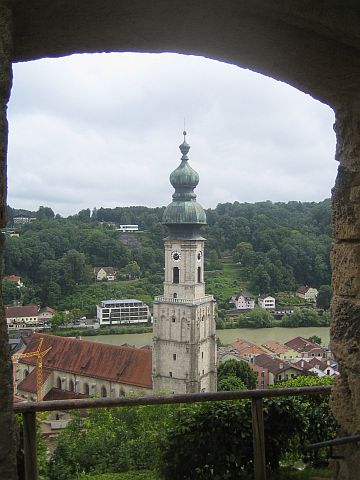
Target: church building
184,342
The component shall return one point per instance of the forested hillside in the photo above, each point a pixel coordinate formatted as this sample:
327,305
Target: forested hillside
276,245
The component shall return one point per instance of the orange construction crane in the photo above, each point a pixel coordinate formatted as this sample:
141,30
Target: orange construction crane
39,378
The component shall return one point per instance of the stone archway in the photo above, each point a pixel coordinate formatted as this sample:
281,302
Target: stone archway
313,45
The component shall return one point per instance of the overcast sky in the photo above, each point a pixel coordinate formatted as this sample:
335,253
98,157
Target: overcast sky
103,130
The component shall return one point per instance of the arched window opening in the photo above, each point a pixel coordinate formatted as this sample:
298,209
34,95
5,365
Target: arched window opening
176,275
103,392
199,274
86,389
175,295
71,386
58,383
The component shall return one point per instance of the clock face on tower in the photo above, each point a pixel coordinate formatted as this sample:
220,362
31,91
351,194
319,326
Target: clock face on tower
176,256
199,256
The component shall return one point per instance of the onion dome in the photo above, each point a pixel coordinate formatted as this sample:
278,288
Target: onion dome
184,212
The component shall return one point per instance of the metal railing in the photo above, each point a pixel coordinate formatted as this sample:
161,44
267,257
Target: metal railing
29,409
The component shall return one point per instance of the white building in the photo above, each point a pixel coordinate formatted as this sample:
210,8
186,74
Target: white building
128,228
307,293
125,311
243,301
266,301
184,349
104,273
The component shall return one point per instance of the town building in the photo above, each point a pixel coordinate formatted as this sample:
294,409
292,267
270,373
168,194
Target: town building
278,370
247,349
75,368
279,350
125,311
128,228
104,273
184,345
307,293
243,301
266,301
22,316
306,348
14,279
45,314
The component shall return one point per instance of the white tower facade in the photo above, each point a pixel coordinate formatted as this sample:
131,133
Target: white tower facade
184,343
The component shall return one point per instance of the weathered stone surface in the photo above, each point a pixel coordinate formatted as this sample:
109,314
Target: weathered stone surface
346,205
345,260
7,420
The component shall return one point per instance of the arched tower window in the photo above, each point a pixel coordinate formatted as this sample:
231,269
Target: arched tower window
71,386
58,383
199,274
86,389
103,392
176,275
175,295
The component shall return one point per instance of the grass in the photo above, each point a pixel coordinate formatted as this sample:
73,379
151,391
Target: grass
284,474
134,475
225,283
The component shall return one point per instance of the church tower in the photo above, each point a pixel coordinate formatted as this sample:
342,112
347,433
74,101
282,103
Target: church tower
184,344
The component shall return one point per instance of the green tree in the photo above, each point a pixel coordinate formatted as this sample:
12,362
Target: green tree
10,292
260,318
239,369
302,317
214,440
315,339
324,297
230,384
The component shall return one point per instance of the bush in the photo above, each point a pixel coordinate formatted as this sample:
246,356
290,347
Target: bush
214,441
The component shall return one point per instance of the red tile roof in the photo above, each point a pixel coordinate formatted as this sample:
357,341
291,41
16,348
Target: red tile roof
302,289
275,347
29,384
247,348
57,394
22,311
274,365
128,365
12,278
301,344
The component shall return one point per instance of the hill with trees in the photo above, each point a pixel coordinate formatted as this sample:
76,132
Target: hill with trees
276,247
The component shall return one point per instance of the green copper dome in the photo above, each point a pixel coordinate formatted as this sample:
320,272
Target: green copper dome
184,214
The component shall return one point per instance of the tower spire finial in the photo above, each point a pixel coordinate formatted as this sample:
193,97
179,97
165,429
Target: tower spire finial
184,132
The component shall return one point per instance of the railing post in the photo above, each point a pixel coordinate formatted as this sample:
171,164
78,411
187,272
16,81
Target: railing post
31,472
258,438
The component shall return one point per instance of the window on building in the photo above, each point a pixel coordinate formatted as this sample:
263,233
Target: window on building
103,392
58,383
86,389
170,374
26,373
199,274
202,354
263,374
203,372
176,274
173,318
175,295
71,386
174,356
327,372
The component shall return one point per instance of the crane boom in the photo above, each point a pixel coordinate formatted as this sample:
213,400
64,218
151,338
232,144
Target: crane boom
39,374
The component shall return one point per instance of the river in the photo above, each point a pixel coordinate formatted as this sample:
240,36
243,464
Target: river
258,336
